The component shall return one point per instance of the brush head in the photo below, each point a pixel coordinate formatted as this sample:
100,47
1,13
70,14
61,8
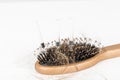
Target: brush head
68,51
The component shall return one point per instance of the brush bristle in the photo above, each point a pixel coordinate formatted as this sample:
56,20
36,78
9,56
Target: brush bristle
68,51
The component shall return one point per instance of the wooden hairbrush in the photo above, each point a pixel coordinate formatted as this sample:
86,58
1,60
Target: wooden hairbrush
82,54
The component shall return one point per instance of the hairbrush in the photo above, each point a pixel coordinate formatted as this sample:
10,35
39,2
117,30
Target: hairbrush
72,55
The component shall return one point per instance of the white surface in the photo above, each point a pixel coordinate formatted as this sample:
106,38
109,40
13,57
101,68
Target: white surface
21,22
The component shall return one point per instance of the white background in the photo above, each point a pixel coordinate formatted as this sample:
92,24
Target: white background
24,24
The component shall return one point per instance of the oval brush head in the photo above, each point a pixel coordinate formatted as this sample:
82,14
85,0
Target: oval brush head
67,56
67,51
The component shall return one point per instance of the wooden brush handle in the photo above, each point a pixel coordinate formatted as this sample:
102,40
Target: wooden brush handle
108,52
111,51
